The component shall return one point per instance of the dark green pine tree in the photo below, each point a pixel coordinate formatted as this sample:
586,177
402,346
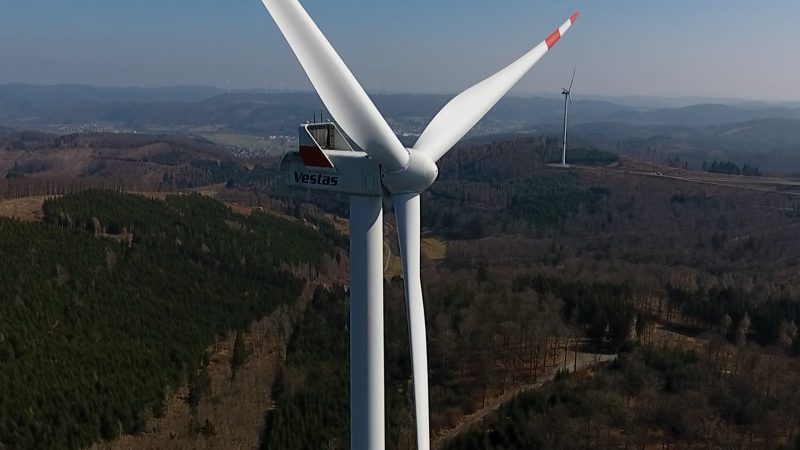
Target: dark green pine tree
239,355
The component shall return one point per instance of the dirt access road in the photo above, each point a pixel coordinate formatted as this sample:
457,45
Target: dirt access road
585,361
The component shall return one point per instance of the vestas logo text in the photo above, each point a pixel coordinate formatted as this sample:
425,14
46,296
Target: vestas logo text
316,179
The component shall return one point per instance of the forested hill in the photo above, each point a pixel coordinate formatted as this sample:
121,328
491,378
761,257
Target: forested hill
108,306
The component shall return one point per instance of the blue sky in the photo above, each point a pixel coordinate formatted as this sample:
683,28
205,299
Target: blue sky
730,48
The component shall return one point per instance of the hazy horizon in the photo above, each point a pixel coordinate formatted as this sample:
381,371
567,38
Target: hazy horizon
681,49
639,98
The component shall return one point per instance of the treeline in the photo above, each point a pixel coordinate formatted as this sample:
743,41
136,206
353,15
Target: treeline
313,389
192,225
315,413
107,308
731,168
19,187
586,157
464,209
27,167
133,161
731,310
502,188
268,181
34,140
221,172
187,172
651,397
605,310
12,140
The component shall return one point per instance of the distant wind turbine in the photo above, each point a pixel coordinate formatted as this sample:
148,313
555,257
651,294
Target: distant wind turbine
567,93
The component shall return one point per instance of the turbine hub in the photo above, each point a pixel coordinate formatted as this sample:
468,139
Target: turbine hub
419,175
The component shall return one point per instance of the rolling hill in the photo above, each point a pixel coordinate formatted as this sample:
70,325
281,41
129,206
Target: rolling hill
742,132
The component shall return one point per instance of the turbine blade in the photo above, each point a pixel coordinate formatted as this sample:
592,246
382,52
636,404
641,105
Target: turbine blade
339,90
407,213
574,68
467,108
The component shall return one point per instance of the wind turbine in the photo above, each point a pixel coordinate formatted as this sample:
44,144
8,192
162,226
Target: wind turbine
567,93
381,164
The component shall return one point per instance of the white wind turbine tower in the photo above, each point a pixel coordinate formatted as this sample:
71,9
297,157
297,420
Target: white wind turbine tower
381,164
567,93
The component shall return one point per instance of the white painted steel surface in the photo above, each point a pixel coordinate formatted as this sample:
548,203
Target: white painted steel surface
407,212
367,403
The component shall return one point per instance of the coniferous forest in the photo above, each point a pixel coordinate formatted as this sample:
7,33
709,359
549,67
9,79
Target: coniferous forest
108,306
313,391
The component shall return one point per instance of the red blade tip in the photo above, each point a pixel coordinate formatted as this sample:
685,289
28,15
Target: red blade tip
574,16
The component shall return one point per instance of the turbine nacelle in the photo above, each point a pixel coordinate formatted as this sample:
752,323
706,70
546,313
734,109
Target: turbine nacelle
418,176
325,161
